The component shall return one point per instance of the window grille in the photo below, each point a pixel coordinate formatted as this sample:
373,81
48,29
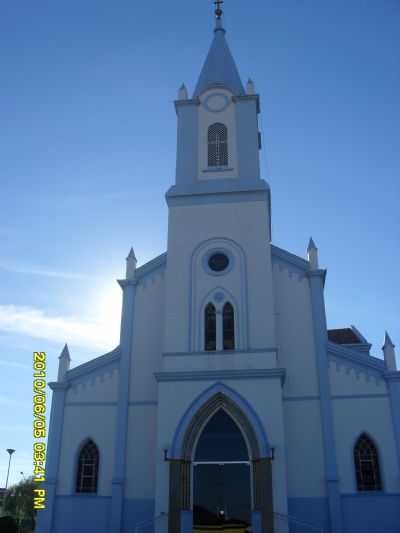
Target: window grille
217,145
229,327
88,468
210,328
367,465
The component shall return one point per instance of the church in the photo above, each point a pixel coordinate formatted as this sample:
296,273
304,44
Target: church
228,405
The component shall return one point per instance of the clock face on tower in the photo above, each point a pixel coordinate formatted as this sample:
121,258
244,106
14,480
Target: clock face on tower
216,102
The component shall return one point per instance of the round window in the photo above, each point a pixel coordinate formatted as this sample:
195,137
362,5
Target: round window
218,262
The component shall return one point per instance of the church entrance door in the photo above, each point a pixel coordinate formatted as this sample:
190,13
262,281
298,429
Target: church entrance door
221,478
222,497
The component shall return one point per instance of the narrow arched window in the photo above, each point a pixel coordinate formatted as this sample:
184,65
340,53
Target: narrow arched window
229,327
217,145
367,464
88,468
210,328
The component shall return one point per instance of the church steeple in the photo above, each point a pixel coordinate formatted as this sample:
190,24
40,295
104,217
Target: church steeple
219,69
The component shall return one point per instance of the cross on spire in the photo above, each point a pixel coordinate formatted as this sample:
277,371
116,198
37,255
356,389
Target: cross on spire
218,8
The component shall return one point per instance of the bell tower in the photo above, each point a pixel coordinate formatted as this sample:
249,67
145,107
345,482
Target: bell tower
219,228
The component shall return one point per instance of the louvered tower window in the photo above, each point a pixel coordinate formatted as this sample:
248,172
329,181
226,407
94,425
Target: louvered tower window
88,468
229,327
367,464
217,145
210,328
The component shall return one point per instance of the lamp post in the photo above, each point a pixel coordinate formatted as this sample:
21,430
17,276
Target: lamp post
10,452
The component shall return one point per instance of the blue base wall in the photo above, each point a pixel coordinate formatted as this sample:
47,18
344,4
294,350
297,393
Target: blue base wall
90,514
312,511
81,514
371,513
362,513
137,514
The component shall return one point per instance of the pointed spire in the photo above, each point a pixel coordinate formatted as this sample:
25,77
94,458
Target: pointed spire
312,253
64,361
219,68
183,92
389,353
311,245
388,341
131,263
250,89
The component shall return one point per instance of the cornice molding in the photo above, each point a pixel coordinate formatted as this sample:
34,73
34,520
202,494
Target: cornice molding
213,375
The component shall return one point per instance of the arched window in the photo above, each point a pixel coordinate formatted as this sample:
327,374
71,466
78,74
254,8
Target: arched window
88,468
210,328
367,464
217,145
229,327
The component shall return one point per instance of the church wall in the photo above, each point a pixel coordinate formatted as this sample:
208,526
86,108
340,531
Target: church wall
101,385
141,452
304,449
147,336
82,422
190,227
351,380
295,330
372,416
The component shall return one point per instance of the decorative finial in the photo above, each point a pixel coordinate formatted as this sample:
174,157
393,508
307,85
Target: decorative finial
183,92
218,9
389,353
64,362
312,253
131,263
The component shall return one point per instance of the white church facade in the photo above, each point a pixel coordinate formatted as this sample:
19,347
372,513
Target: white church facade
228,404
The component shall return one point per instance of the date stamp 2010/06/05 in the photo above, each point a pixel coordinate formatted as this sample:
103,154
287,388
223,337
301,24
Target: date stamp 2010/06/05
39,429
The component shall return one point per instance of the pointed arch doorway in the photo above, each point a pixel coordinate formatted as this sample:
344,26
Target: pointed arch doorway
221,482
221,478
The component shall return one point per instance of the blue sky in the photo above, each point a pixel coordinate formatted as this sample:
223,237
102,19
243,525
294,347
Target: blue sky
87,151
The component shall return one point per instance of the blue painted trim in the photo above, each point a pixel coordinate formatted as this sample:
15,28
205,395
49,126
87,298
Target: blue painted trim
217,169
227,102
126,343
300,398
209,198
94,364
369,494
380,462
91,404
392,376
358,396
186,103
289,258
149,267
225,186
242,309
316,282
143,403
249,351
216,250
357,358
73,479
240,401
186,521
212,375
228,297
394,390
256,522
56,425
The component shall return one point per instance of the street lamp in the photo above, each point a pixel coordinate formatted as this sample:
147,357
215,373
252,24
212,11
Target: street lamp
10,452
